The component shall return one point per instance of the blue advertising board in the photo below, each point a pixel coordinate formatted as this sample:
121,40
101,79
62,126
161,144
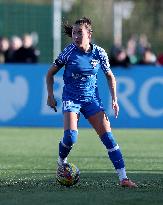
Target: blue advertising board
23,97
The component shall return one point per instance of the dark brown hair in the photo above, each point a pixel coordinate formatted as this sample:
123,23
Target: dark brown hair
83,21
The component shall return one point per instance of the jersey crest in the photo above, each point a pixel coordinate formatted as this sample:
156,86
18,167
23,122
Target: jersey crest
94,63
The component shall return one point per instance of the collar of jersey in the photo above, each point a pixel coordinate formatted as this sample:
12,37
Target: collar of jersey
92,47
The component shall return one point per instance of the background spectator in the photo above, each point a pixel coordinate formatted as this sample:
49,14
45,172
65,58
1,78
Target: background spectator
137,51
4,46
27,53
143,43
131,50
120,58
15,44
149,58
118,55
160,59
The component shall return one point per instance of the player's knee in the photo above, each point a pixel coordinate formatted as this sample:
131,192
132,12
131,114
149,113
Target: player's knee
108,140
70,137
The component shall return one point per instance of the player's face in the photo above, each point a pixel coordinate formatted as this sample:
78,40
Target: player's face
81,36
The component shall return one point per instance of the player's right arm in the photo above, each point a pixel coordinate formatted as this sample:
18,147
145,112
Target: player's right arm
51,101
57,65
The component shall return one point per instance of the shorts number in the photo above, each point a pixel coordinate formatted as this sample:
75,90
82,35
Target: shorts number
66,104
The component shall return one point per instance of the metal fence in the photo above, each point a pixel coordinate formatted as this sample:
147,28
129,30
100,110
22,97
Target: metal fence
17,18
34,16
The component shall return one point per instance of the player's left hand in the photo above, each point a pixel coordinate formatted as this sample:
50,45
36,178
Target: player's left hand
115,107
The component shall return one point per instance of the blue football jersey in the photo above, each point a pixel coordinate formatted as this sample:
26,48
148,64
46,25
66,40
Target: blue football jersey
80,74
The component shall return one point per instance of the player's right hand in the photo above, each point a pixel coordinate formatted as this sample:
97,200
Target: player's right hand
51,101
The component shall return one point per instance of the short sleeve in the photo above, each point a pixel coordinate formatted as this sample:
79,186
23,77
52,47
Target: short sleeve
104,60
59,62
63,56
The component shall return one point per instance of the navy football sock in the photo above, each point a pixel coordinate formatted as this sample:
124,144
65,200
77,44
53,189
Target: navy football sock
65,145
114,154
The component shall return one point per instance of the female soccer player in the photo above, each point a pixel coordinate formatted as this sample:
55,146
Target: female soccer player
82,60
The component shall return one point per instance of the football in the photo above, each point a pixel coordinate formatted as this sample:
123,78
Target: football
68,174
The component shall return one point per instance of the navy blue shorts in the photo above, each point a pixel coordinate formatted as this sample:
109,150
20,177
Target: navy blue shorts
87,108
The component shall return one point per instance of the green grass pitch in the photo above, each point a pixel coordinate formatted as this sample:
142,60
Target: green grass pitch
28,165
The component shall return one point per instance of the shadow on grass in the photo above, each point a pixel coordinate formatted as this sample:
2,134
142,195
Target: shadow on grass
96,179
93,188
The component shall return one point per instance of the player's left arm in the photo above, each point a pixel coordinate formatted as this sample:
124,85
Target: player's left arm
112,86
105,65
